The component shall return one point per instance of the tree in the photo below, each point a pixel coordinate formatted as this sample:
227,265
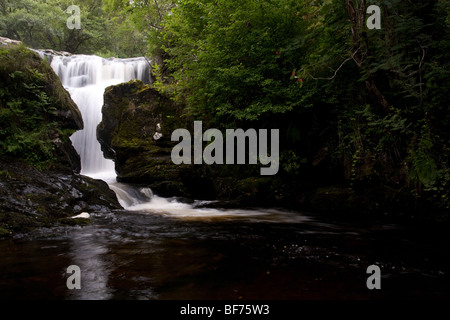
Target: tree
234,59
42,24
143,20
277,62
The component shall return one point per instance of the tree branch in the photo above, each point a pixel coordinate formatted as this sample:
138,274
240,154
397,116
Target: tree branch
424,52
352,57
357,15
159,11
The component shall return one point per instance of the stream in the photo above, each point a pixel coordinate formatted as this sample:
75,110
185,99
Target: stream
227,255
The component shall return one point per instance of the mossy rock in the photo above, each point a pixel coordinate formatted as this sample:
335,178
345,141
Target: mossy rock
40,115
133,113
4,232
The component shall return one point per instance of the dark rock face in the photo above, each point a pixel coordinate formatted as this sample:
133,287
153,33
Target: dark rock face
68,116
31,198
136,133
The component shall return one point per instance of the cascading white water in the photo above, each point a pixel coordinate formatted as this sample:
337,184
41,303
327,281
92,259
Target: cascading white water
86,78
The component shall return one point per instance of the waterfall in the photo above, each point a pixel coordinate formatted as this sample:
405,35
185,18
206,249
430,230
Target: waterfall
86,78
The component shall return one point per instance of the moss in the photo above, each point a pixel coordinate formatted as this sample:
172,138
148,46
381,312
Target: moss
333,191
33,109
16,222
6,174
149,170
4,232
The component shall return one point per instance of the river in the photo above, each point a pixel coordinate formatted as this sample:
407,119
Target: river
243,254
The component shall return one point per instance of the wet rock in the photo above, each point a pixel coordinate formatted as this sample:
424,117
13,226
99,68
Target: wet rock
31,198
136,133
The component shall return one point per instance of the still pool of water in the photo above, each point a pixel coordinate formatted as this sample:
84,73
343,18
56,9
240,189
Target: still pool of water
227,255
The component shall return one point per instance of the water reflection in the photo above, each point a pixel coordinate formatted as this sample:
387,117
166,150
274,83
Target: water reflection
94,259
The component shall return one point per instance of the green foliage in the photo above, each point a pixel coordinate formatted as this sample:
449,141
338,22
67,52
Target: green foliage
138,25
26,113
265,63
234,59
291,163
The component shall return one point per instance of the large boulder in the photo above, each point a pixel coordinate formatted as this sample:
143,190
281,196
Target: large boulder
135,132
31,198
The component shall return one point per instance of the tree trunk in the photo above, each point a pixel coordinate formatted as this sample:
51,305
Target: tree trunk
357,15
50,40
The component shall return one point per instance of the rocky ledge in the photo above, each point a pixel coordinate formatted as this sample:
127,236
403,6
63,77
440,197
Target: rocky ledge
31,198
136,132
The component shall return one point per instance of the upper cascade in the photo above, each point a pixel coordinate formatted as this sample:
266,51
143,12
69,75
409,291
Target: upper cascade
86,77
78,71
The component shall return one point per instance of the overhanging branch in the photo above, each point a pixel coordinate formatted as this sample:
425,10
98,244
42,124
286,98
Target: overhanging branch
352,57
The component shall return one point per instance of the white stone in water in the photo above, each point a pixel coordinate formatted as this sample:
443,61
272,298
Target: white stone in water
83,215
